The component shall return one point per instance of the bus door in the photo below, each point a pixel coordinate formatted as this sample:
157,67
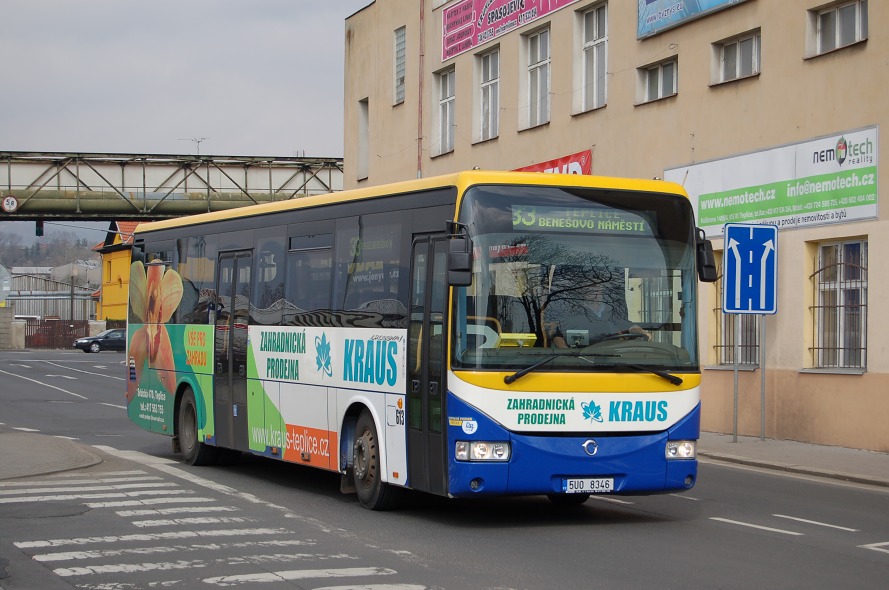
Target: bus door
427,464
230,375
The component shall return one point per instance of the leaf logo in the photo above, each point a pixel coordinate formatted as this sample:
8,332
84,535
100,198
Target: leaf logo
322,355
591,411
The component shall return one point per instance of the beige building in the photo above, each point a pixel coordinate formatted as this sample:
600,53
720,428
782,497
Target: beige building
768,111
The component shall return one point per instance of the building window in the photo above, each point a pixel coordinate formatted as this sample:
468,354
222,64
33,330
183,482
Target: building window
399,64
538,77
595,46
838,25
737,57
658,80
728,331
489,117
840,308
446,101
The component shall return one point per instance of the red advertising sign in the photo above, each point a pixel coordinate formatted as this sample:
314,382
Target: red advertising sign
579,163
470,23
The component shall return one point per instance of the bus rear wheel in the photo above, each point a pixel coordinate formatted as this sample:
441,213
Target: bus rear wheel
373,493
194,452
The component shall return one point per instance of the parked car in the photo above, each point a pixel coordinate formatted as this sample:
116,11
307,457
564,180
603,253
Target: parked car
115,339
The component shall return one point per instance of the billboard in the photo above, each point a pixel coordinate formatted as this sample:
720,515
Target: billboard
658,15
827,180
471,23
579,163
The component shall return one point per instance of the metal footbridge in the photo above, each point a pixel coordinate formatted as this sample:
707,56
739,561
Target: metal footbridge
142,187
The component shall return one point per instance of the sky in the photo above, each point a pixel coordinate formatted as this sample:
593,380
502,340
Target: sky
220,77
230,77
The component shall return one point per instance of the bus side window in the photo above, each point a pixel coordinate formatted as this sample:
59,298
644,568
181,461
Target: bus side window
309,276
268,280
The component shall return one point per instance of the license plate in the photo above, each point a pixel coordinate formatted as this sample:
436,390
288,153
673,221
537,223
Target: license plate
589,485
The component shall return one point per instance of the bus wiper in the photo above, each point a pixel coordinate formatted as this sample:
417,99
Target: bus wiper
522,372
662,374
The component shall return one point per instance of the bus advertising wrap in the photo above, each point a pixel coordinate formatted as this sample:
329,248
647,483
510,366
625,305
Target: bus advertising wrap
659,15
468,24
828,180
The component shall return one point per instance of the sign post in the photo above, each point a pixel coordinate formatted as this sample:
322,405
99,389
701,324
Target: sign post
749,286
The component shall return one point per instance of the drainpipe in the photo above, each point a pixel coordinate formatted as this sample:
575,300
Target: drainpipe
420,89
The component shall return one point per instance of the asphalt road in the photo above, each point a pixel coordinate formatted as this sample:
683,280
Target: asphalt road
140,519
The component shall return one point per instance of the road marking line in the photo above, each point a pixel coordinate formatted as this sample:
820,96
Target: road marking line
106,473
194,520
147,502
150,537
685,497
833,526
610,499
106,553
22,428
123,486
44,384
884,547
176,510
300,575
66,497
377,587
82,371
63,376
756,526
113,405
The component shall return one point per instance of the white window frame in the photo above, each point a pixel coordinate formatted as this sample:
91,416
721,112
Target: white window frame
594,57
536,52
656,72
821,39
840,310
729,57
488,74
445,87
399,65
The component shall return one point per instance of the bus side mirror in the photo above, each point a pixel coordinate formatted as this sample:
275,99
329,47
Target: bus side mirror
459,261
705,258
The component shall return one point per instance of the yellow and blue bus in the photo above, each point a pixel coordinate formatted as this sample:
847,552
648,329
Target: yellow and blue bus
476,334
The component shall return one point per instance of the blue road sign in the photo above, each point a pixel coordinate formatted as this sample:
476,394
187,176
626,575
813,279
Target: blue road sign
750,269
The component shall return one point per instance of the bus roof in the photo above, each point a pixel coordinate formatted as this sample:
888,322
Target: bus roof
459,180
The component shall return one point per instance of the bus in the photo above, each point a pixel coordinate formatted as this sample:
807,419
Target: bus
439,335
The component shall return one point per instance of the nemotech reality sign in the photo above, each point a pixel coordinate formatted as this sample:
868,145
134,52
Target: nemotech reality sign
831,179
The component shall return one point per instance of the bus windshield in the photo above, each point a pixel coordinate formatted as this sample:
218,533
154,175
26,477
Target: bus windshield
607,276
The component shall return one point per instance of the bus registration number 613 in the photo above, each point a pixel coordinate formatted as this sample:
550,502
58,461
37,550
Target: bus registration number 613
591,485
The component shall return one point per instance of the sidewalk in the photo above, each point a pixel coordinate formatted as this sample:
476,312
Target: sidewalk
852,465
26,454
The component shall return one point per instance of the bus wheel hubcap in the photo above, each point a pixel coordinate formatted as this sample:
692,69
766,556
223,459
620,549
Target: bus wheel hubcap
360,458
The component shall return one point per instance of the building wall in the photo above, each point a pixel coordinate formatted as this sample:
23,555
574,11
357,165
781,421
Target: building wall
794,98
115,285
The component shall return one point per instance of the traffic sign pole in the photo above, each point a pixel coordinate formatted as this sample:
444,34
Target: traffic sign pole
750,282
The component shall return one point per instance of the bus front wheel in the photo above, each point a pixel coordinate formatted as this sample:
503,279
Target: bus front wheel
194,452
373,493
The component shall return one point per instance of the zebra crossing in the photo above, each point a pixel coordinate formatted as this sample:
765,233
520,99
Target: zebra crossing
179,537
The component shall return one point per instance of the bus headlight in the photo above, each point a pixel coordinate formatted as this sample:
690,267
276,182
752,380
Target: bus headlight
681,449
478,450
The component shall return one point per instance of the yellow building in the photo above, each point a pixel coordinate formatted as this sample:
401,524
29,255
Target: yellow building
115,251
768,111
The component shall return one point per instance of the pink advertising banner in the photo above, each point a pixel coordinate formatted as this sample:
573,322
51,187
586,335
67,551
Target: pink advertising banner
579,163
471,23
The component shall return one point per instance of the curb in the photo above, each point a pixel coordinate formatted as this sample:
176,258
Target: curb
796,469
25,454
